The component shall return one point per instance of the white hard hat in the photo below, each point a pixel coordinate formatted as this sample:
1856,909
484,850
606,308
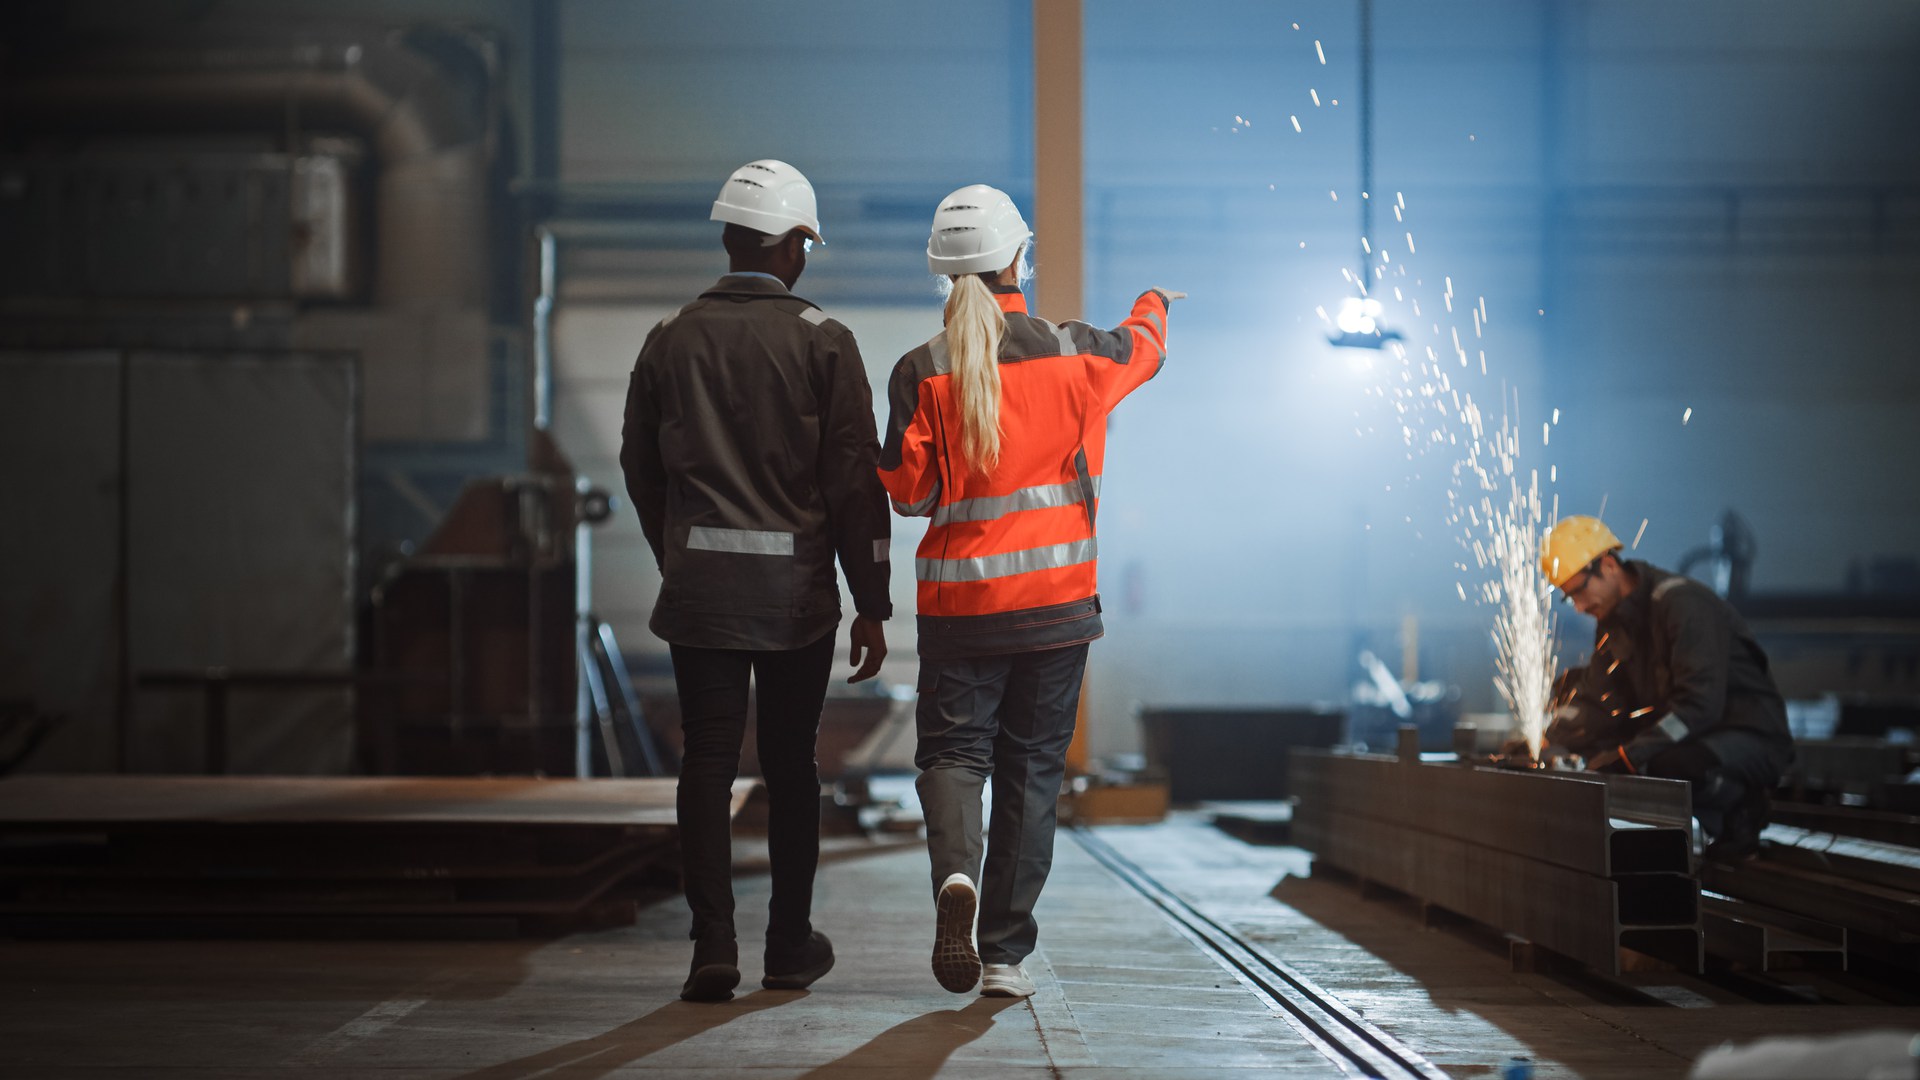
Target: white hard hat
976,230
771,196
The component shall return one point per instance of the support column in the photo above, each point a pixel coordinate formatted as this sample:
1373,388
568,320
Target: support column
1059,292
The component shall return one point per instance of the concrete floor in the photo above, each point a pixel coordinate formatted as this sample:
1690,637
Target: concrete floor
1121,993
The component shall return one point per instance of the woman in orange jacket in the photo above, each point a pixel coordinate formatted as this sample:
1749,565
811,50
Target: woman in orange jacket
998,433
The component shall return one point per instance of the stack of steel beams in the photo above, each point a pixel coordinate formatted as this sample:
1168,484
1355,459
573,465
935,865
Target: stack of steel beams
1865,891
1581,865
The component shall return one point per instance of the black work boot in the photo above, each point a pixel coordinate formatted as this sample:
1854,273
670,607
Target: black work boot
715,971
796,969
1739,836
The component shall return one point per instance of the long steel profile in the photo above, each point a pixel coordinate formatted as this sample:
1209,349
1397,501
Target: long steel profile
1354,1046
1892,866
1764,939
1559,818
1890,914
1539,855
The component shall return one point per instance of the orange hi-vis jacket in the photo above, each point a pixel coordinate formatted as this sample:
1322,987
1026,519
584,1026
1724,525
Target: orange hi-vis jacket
1008,562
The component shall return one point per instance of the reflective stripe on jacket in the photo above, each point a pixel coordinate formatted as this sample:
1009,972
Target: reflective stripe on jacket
749,451
1008,561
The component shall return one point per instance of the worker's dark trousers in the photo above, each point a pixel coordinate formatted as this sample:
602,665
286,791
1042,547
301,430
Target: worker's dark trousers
1008,717
1724,768
790,687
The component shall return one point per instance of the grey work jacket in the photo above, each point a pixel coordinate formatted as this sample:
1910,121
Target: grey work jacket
1675,655
749,450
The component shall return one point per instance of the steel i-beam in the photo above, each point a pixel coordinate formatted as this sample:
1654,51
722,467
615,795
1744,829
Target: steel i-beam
1571,862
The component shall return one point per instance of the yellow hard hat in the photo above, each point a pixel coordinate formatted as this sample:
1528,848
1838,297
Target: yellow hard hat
1573,543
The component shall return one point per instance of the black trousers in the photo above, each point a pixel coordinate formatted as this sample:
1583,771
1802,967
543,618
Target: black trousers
1725,768
791,686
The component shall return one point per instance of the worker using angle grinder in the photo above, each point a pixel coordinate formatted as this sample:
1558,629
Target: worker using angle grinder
1676,687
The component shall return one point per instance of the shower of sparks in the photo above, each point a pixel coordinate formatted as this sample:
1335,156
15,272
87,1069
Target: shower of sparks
1496,508
1523,622
1638,535
1320,52
1316,96
1296,122
1686,416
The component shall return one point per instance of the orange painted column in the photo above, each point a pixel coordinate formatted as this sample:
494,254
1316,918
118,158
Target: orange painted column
1057,195
1057,181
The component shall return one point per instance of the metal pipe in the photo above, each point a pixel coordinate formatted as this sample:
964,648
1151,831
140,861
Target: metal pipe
1366,143
582,634
543,332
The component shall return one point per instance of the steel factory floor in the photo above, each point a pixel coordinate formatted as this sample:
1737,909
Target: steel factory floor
1122,991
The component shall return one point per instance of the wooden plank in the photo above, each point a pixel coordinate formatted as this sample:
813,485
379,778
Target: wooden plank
95,801
296,853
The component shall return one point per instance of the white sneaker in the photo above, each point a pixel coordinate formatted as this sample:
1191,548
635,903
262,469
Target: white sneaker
955,963
1006,980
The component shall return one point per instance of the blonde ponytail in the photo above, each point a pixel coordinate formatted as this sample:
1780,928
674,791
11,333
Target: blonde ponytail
974,328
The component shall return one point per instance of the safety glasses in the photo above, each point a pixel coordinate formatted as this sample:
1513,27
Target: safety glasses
1570,591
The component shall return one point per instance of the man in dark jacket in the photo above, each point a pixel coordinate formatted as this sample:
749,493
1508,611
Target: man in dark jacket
750,453
1676,687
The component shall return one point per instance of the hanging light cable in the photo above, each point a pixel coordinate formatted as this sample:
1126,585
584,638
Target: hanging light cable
1359,317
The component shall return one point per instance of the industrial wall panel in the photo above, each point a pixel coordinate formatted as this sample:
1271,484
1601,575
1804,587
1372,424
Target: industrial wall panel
241,519
60,429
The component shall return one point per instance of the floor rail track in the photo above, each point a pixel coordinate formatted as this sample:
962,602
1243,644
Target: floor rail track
1350,1042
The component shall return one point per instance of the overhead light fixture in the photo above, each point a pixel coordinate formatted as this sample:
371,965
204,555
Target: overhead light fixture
1359,319
1359,325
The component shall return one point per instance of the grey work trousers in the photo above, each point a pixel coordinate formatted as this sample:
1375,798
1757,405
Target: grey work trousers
1008,717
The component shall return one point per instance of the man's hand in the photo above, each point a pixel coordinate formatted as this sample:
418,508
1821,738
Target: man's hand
1567,684
1645,747
1631,757
868,637
1565,728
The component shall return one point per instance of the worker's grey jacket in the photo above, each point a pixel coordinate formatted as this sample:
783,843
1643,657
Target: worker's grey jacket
1674,656
750,453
